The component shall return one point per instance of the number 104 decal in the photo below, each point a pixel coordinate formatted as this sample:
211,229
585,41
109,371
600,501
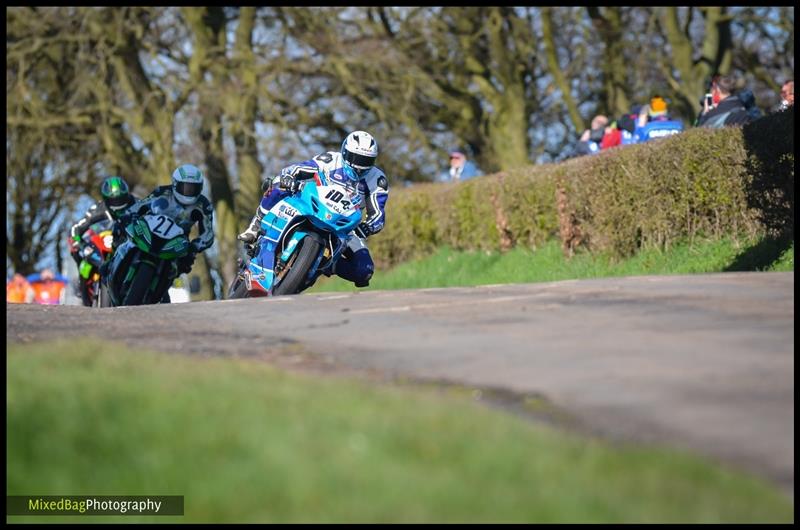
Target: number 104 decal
336,196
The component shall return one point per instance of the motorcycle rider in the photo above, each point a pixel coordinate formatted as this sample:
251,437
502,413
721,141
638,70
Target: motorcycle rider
353,164
116,199
186,205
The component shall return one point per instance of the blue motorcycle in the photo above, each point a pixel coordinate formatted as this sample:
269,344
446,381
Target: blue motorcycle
303,236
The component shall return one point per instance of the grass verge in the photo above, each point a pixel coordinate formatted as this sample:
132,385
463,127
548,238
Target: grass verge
450,268
246,443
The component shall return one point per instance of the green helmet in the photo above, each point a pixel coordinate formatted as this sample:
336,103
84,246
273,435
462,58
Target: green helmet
116,194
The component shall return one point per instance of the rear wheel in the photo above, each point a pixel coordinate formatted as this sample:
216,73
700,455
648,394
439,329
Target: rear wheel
140,284
295,276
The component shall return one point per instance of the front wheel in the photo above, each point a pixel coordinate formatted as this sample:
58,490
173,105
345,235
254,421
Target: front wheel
88,292
94,300
299,264
137,293
103,298
238,288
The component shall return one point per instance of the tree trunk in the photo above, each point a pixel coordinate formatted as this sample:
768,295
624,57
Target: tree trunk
506,122
242,116
715,55
615,86
208,27
555,70
507,131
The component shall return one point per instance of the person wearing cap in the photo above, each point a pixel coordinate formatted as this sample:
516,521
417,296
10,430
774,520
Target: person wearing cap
654,121
460,168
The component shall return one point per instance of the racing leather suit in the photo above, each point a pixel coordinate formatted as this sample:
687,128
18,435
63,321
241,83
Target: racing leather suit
96,213
200,212
356,264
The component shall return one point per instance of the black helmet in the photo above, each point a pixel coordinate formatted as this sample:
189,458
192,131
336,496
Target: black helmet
116,194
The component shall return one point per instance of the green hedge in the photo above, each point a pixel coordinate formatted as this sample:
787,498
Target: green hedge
701,183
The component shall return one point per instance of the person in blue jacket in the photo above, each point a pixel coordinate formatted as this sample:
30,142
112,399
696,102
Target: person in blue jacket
655,122
460,168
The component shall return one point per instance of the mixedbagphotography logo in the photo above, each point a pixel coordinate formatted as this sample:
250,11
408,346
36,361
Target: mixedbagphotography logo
94,505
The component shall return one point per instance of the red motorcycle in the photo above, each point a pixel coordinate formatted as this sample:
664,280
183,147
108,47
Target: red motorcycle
95,249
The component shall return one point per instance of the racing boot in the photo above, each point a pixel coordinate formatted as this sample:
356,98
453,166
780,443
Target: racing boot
253,231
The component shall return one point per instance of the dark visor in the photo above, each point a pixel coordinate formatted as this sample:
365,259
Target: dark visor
189,189
359,161
116,203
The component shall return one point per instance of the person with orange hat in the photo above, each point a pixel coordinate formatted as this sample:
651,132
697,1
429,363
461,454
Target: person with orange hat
654,121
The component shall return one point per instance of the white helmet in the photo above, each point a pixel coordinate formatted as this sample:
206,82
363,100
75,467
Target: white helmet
359,151
187,183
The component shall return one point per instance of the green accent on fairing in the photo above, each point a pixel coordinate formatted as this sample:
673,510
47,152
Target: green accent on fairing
85,269
144,247
172,244
140,231
129,276
174,249
144,229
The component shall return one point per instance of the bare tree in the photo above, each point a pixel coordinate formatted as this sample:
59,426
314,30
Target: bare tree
690,66
466,71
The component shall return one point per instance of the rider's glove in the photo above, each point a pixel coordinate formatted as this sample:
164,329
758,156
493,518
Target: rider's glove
125,219
74,244
118,234
185,263
363,230
266,184
288,183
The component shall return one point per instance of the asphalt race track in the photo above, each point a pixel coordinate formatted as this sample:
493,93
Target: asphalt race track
700,362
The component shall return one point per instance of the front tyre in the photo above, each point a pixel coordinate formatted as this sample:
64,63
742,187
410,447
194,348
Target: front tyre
88,295
140,284
103,298
238,289
298,266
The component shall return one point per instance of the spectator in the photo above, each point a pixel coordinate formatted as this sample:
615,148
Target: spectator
18,290
748,99
726,108
787,95
460,168
627,125
591,139
612,136
654,121
48,288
